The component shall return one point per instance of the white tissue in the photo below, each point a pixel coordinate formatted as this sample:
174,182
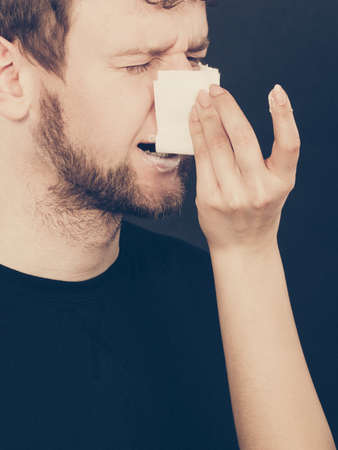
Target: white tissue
175,94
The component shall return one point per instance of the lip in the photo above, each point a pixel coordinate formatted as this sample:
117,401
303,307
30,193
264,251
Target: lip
165,165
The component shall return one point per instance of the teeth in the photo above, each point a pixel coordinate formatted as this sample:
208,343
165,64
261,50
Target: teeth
158,155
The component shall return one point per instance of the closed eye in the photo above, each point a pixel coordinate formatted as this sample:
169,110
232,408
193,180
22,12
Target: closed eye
144,67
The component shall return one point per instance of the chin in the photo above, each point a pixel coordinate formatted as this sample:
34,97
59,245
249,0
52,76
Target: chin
153,194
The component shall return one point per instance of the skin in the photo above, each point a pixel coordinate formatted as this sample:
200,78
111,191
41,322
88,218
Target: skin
63,140
56,138
239,199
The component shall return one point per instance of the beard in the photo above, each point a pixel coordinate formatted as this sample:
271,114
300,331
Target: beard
84,186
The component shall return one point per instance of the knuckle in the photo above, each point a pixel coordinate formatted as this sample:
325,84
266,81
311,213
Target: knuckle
292,184
209,114
209,203
218,141
195,128
234,205
285,112
261,203
262,197
227,95
202,152
242,137
294,147
198,139
298,141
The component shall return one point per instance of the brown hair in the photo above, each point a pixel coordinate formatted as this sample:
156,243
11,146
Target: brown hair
41,28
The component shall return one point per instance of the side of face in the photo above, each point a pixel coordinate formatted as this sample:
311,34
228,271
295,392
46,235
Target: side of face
105,107
116,102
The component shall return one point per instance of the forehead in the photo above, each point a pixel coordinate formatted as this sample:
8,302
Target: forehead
113,24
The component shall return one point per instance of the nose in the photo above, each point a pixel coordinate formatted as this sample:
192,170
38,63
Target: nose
178,62
175,62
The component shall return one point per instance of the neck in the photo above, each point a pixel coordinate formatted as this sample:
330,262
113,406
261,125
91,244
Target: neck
47,238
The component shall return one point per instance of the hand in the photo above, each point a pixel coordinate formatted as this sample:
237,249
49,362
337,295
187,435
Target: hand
240,195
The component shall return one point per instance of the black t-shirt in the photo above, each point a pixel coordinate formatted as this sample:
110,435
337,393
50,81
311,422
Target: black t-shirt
129,360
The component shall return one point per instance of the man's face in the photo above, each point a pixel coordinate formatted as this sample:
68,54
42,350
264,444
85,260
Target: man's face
90,127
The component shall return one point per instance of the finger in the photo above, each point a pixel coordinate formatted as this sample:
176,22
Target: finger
218,142
206,178
243,139
286,146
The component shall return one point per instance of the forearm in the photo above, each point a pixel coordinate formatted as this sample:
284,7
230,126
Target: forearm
274,401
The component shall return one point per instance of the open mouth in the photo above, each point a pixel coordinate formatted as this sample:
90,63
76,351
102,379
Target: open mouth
148,147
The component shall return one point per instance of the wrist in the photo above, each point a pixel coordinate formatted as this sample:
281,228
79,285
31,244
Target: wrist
246,251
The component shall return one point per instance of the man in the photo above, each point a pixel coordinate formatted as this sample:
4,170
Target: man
110,337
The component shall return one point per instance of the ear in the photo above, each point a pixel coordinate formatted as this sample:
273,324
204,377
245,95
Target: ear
14,89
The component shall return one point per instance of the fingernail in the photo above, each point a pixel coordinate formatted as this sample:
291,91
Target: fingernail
204,99
279,95
194,115
216,90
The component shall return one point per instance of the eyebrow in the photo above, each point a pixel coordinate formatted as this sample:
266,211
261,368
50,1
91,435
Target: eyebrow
159,51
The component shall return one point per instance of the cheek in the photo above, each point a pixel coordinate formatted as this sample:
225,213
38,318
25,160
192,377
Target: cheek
107,118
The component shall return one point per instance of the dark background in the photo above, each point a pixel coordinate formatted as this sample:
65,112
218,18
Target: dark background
293,43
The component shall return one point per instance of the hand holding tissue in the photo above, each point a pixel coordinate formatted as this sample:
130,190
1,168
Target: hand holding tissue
175,94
